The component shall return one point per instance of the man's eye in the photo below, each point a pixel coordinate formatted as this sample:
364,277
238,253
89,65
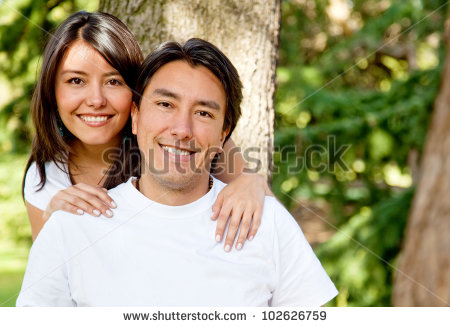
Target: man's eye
165,104
75,80
114,82
204,114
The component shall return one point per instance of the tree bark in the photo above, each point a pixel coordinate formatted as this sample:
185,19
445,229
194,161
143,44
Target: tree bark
423,277
245,30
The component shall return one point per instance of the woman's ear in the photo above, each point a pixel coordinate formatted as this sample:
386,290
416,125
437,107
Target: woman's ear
134,118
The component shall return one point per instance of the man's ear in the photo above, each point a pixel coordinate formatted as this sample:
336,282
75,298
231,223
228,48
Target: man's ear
224,134
134,118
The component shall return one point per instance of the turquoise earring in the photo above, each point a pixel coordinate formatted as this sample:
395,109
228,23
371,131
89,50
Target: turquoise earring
60,126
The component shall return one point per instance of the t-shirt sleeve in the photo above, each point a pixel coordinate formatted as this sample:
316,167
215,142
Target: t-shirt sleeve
302,279
46,280
39,199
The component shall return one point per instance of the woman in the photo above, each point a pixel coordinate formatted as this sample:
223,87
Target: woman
84,145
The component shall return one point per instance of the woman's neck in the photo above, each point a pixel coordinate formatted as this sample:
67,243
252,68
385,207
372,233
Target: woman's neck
89,163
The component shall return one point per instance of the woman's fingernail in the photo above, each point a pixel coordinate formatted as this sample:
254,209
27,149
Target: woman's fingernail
218,238
227,248
80,212
113,204
250,238
96,212
109,213
239,246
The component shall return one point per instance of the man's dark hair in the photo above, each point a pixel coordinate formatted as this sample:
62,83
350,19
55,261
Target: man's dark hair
196,52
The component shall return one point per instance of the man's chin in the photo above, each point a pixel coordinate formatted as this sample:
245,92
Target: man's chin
179,182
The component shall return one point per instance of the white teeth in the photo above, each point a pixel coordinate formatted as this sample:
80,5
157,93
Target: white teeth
94,118
175,151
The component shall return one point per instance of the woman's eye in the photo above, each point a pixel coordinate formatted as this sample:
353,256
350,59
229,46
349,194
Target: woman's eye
115,82
75,80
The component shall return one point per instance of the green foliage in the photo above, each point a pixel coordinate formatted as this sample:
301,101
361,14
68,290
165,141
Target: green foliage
14,226
360,257
15,233
13,260
367,82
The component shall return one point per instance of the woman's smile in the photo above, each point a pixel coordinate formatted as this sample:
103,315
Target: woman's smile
95,120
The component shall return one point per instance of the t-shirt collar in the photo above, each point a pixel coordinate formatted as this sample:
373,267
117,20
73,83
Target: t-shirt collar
139,200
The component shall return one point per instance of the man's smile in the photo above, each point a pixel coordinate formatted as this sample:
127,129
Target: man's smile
181,154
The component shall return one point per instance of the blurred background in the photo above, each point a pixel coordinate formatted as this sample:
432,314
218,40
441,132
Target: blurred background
359,77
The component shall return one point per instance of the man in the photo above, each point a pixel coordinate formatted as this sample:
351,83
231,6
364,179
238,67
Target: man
156,249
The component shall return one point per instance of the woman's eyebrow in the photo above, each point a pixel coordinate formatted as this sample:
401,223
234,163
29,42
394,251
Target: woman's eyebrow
112,73
80,72
73,71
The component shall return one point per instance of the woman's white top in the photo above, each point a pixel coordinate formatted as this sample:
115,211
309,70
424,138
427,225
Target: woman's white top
57,180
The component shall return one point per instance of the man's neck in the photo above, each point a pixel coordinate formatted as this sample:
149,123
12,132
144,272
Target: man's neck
156,191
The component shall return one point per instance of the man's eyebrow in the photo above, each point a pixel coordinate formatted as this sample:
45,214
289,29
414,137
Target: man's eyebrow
205,103
166,93
210,104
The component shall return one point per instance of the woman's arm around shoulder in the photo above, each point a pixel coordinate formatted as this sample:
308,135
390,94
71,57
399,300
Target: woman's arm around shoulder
241,201
76,199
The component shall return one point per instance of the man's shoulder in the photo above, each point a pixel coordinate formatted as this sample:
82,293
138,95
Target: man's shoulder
272,207
118,191
123,195
275,208
275,212
60,225
76,231
62,219
218,184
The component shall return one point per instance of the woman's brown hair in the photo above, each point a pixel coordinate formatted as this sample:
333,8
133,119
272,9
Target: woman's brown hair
118,46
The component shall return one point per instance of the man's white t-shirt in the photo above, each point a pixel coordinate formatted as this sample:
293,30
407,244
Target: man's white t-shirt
150,254
57,180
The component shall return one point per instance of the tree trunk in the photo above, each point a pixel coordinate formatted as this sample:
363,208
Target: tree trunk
423,278
245,30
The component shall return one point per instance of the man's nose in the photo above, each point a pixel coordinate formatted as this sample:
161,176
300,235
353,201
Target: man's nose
182,126
95,97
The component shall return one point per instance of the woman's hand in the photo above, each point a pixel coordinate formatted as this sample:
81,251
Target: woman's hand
81,198
243,200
